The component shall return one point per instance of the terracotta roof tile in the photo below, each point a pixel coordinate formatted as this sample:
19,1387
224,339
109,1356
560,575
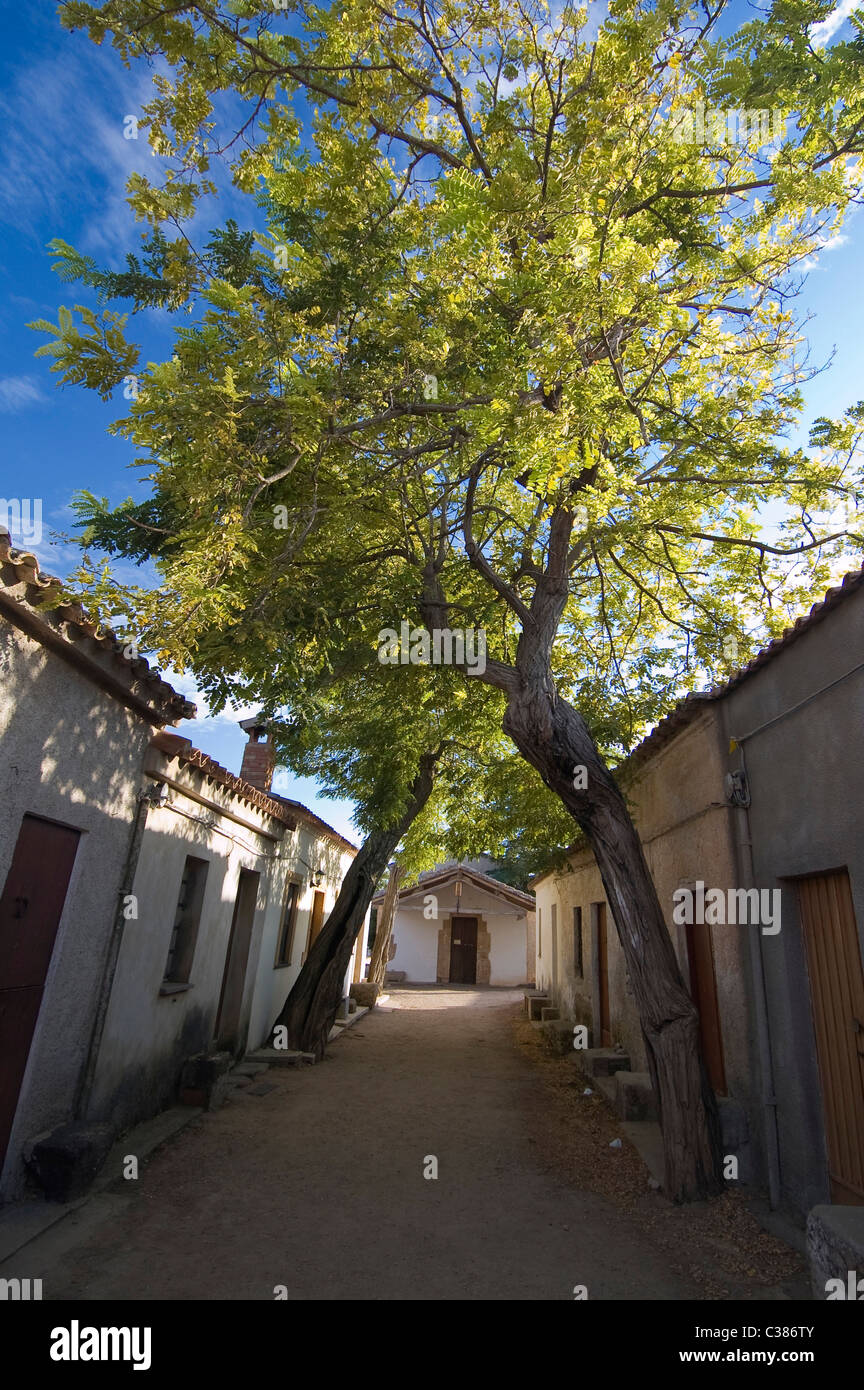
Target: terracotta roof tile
19,570
691,706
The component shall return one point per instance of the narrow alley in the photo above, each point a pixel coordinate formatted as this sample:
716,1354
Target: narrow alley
312,1179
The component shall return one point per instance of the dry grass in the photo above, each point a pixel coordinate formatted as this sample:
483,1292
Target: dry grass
719,1245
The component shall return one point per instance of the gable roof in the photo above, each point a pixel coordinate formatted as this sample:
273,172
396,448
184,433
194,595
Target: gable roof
26,599
514,896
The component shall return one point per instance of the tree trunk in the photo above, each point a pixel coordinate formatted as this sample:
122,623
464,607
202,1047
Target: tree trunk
383,936
553,738
311,1007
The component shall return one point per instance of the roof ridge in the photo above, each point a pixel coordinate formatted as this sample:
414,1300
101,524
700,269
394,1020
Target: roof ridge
27,572
672,721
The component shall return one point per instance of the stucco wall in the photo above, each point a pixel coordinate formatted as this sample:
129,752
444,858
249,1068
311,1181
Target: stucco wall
806,778
677,802
148,1035
273,983
70,753
417,937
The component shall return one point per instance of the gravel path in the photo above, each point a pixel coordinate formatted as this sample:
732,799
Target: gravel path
318,1185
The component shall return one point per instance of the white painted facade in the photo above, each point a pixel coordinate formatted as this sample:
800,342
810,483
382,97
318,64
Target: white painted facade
150,1029
85,752
421,936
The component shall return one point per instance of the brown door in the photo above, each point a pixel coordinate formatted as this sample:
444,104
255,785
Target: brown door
317,921
837,999
703,992
463,951
603,962
30,909
236,959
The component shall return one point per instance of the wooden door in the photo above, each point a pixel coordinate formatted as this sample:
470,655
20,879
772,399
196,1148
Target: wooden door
603,963
837,1001
703,992
317,921
30,910
236,959
463,951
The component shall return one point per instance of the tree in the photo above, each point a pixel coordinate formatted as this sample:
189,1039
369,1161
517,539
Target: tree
516,347
384,931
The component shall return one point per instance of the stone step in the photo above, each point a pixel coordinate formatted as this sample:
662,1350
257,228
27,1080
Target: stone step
536,1004
281,1057
603,1061
549,1014
634,1096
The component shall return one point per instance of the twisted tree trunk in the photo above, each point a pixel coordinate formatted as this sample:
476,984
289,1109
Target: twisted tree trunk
554,739
384,934
311,1007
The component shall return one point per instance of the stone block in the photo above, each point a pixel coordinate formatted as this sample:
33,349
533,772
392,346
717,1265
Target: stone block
365,993
205,1079
603,1061
835,1249
69,1158
634,1096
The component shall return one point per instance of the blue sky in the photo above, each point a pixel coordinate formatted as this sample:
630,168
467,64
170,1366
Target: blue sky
65,163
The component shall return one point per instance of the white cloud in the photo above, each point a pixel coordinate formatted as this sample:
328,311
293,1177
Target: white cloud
829,244
19,392
821,33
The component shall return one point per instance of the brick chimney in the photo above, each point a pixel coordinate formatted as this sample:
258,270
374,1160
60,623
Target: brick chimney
258,757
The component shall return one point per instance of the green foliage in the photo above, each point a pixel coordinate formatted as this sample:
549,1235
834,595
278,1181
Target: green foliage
496,289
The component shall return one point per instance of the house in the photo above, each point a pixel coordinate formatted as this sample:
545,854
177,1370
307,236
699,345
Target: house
153,907
76,719
748,801
458,925
231,885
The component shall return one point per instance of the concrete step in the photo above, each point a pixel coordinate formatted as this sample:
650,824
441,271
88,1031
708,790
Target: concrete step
549,1014
634,1096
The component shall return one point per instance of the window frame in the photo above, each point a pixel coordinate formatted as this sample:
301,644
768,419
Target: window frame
578,956
183,941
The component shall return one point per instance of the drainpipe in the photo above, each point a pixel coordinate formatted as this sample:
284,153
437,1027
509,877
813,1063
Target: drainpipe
744,855
145,799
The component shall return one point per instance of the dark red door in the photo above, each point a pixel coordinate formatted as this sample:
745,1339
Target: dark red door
463,951
30,909
236,959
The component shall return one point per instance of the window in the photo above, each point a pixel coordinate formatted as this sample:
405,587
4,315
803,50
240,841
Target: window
184,933
289,921
539,932
577,941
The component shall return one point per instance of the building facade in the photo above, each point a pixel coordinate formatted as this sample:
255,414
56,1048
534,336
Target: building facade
153,906
748,802
457,925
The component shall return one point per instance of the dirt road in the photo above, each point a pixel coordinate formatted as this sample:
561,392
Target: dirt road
319,1186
